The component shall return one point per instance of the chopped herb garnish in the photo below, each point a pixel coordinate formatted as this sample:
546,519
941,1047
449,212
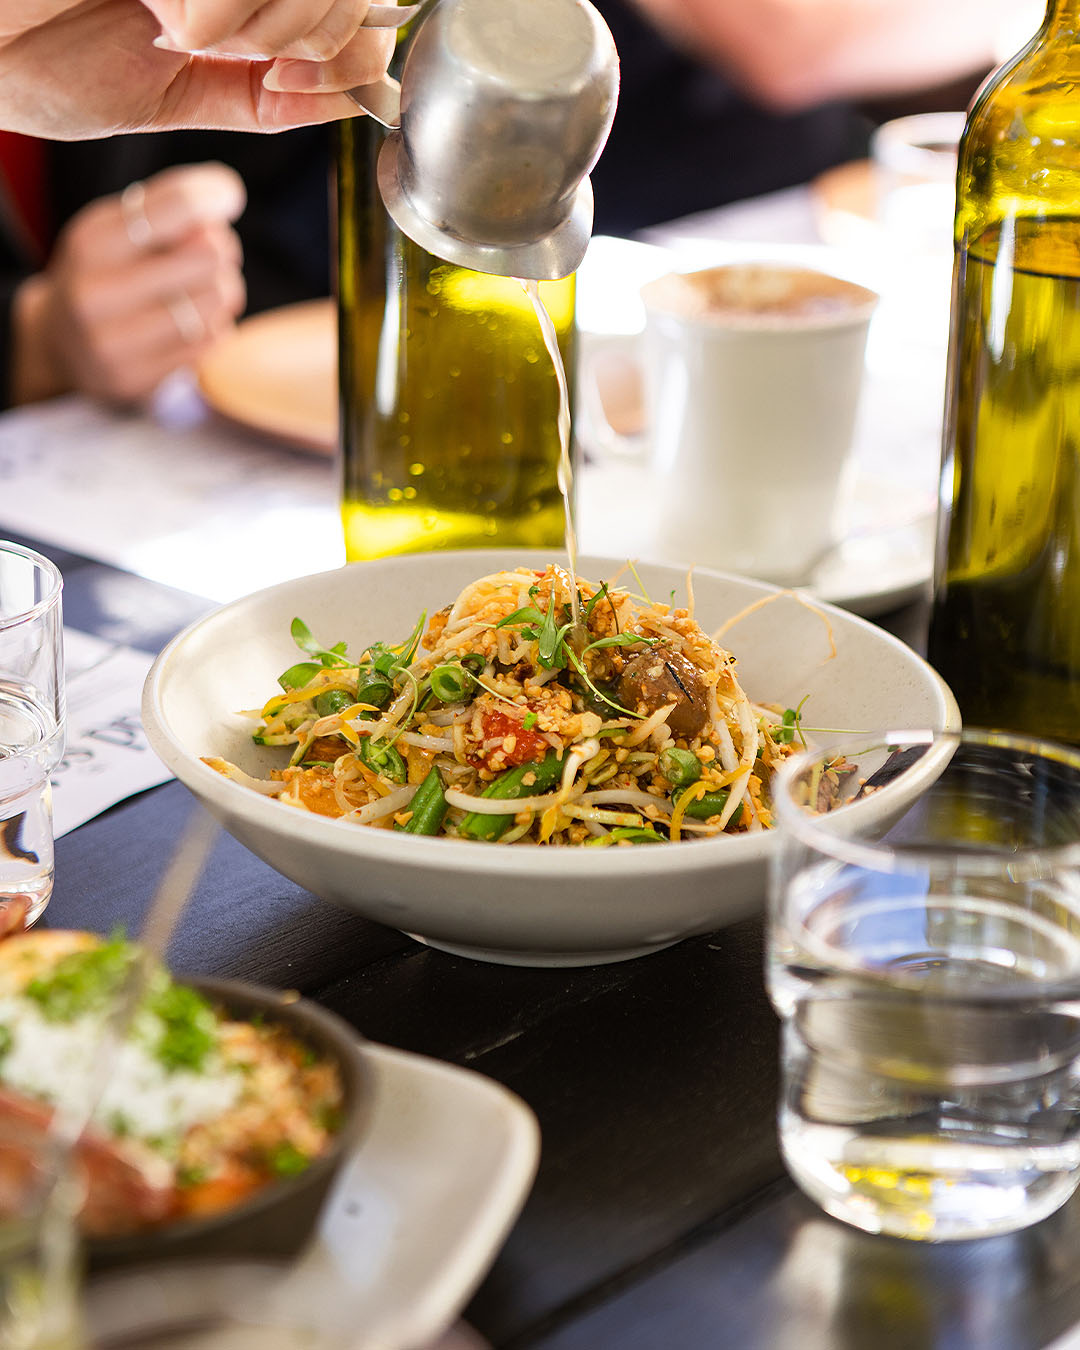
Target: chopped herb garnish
119,1125
286,1160
529,721
7,1040
189,1029
83,981
329,1116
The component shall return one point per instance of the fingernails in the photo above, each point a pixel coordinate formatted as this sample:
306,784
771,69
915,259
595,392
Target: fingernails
165,42
295,77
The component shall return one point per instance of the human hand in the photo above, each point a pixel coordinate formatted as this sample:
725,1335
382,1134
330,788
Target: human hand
71,69
137,286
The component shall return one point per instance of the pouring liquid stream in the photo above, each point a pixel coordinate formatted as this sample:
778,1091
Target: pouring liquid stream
565,475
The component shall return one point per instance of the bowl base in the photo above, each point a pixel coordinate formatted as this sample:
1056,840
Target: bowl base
508,957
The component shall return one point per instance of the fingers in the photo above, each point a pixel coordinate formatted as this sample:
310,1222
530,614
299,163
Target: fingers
168,207
132,354
355,62
209,255
209,91
259,28
180,323
138,289
316,48
153,216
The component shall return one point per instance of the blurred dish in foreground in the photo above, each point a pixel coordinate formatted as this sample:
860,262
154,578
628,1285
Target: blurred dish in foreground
276,373
420,1212
226,1111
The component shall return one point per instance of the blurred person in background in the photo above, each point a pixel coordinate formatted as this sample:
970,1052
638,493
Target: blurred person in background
727,99
117,268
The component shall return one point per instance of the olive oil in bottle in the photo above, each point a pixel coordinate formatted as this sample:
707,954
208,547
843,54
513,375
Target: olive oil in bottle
1005,626
449,400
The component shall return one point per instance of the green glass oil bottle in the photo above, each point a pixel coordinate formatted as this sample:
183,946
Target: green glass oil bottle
449,401
1005,624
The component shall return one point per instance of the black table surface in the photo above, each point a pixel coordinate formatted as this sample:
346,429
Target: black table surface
661,1215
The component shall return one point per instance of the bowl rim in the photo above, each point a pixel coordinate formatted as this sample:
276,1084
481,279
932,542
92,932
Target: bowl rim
463,856
303,1016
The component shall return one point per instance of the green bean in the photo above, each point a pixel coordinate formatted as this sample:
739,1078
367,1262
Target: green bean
382,759
376,690
679,767
632,835
387,664
333,701
708,805
509,786
428,806
450,683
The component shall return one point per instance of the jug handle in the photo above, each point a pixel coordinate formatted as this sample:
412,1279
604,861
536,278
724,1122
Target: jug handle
381,100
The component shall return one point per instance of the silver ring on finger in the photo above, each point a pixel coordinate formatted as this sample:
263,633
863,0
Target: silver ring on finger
136,221
185,314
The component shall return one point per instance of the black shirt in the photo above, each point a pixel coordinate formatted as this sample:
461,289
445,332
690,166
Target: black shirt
685,140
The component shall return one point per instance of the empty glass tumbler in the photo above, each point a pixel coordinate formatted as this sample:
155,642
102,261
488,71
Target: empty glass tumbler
924,956
31,727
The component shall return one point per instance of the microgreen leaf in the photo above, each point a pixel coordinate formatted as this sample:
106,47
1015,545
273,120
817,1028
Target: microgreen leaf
550,648
307,642
599,694
591,604
791,726
620,640
407,650
530,614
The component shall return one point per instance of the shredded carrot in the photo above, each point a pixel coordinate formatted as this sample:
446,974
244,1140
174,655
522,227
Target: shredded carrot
691,794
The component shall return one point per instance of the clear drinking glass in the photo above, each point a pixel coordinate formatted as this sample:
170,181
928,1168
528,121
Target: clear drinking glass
39,1265
31,725
924,956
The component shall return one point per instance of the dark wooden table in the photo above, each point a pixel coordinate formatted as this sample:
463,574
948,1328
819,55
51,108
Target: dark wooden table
661,1215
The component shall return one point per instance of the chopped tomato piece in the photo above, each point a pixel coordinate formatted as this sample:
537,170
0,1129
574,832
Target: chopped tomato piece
515,744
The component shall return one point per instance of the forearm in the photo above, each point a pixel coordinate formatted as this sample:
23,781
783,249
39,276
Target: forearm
795,53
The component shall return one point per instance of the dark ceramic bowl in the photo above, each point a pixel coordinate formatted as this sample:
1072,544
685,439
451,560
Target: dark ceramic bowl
280,1218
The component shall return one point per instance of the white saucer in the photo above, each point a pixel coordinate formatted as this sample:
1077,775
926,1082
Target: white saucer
885,561
873,573
408,1234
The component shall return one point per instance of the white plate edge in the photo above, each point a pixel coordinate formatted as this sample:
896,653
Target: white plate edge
425,1313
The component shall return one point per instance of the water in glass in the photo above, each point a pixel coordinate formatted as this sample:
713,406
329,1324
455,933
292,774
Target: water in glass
929,988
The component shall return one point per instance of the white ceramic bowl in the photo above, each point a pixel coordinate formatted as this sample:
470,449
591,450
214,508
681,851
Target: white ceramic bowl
519,905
